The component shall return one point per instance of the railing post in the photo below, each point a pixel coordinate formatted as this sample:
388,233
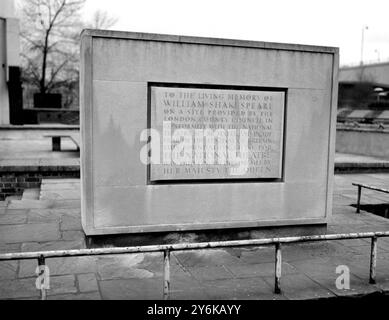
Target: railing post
373,260
278,269
166,275
42,270
359,199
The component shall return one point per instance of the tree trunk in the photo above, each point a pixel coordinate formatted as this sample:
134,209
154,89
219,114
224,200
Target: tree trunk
44,64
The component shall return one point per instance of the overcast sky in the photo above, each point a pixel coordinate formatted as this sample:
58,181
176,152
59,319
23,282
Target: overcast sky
325,22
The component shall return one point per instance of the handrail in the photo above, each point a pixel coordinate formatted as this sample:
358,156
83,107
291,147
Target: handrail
167,248
187,246
360,186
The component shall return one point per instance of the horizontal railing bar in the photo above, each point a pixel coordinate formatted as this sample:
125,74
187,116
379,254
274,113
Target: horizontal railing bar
187,246
370,187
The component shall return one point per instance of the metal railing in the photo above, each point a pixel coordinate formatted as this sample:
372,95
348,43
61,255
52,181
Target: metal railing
167,249
360,186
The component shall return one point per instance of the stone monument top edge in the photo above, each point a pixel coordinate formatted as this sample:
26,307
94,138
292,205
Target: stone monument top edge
97,33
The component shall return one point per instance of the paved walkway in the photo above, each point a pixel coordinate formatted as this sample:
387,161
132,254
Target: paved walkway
358,159
51,221
27,146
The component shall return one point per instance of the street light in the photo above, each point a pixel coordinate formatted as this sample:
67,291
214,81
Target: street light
363,41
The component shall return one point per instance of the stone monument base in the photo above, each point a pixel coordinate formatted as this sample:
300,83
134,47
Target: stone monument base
127,240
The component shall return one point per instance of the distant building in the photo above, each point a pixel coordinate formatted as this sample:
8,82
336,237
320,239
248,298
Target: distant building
9,54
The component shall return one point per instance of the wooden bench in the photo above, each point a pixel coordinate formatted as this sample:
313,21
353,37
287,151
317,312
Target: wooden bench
56,141
360,186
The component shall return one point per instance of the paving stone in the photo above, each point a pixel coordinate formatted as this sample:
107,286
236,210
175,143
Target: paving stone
32,194
357,285
87,282
122,267
29,204
189,294
8,269
16,211
73,235
132,289
339,229
67,194
382,280
73,212
366,249
181,281
65,204
356,242
343,200
10,248
79,296
71,223
361,267
42,216
300,287
147,288
358,266
384,241
210,273
308,269
52,246
60,266
315,266
62,284
338,249
7,219
254,255
345,219
44,204
306,251
206,258
240,289
18,288
153,262
259,270
29,232
325,274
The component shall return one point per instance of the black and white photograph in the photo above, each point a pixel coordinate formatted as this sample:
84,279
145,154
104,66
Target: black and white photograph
192,155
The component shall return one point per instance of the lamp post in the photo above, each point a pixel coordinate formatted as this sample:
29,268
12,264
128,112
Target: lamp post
363,41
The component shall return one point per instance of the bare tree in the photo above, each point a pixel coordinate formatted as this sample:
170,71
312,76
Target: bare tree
101,20
50,42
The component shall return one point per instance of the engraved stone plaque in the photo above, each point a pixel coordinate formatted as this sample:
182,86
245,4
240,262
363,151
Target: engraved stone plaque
211,134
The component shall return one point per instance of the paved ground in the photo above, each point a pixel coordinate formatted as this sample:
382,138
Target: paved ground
357,159
30,147
49,219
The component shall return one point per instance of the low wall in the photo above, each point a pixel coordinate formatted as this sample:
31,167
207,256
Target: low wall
13,181
23,167
367,142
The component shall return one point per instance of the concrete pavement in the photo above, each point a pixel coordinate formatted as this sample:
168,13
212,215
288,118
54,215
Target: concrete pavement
51,221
